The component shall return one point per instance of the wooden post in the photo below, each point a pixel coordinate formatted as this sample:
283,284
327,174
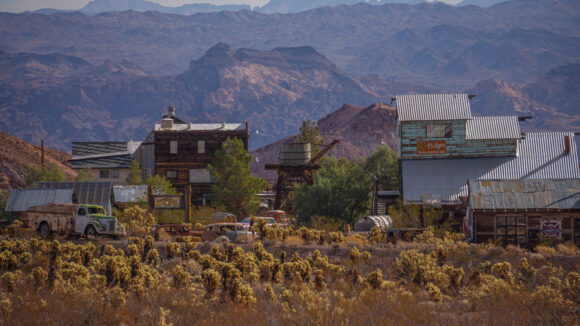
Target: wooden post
42,153
150,203
187,199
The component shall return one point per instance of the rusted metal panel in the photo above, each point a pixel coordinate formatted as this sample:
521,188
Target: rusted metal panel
59,217
537,194
416,107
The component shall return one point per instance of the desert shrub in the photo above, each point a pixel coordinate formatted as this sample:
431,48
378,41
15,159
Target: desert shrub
137,221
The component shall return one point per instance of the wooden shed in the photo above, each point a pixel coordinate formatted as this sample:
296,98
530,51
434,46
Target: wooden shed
524,212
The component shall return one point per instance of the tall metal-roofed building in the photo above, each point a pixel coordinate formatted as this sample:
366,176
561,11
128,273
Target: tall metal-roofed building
442,146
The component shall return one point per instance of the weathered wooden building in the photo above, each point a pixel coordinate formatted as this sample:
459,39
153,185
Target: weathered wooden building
181,151
524,212
442,146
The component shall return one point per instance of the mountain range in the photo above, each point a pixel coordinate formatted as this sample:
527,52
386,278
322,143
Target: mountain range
430,44
273,6
62,99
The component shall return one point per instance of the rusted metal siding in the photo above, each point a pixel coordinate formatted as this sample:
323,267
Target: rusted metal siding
548,194
59,217
419,107
416,145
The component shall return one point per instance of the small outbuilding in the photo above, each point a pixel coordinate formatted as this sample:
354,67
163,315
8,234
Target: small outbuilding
524,211
94,193
368,222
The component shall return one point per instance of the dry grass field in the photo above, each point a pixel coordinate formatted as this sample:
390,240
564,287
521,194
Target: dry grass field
297,280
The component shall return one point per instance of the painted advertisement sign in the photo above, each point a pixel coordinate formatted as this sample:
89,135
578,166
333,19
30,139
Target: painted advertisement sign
167,202
551,229
431,147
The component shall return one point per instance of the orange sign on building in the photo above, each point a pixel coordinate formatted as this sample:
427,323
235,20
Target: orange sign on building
431,147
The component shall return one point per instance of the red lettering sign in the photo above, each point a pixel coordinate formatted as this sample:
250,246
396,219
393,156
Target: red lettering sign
431,147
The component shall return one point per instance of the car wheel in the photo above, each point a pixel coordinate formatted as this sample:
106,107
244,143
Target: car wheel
221,240
44,230
91,233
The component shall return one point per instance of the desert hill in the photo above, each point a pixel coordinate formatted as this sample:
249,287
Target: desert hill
17,155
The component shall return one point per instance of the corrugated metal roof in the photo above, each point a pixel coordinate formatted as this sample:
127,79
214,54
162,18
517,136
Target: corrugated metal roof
96,193
91,148
498,127
98,161
524,194
130,194
203,127
419,107
21,200
541,156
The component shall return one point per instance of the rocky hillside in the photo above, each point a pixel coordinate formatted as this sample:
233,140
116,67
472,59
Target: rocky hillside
17,155
552,99
359,129
62,99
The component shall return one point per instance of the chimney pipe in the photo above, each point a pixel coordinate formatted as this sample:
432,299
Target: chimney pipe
566,145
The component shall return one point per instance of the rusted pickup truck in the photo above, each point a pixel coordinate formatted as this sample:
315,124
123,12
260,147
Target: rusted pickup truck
72,219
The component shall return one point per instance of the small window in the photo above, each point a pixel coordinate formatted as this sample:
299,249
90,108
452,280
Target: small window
173,147
109,173
439,131
201,146
171,174
511,230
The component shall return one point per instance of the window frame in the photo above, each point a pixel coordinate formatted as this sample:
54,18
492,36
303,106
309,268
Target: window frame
511,229
439,130
201,146
168,176
173,147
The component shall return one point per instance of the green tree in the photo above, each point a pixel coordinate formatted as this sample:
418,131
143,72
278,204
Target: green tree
135,174
341,190
50,172
85,174
310,133
160,185
234,187
383,165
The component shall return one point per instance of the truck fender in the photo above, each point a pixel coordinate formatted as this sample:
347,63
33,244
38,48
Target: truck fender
221,239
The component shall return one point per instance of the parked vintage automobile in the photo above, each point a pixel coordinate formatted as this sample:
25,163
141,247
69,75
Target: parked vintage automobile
270,221
227,232
173,230
280,216
72,219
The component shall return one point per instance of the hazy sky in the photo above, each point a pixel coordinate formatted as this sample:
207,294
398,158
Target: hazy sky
23,5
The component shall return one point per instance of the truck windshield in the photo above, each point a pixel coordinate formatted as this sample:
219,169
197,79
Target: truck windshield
96,210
